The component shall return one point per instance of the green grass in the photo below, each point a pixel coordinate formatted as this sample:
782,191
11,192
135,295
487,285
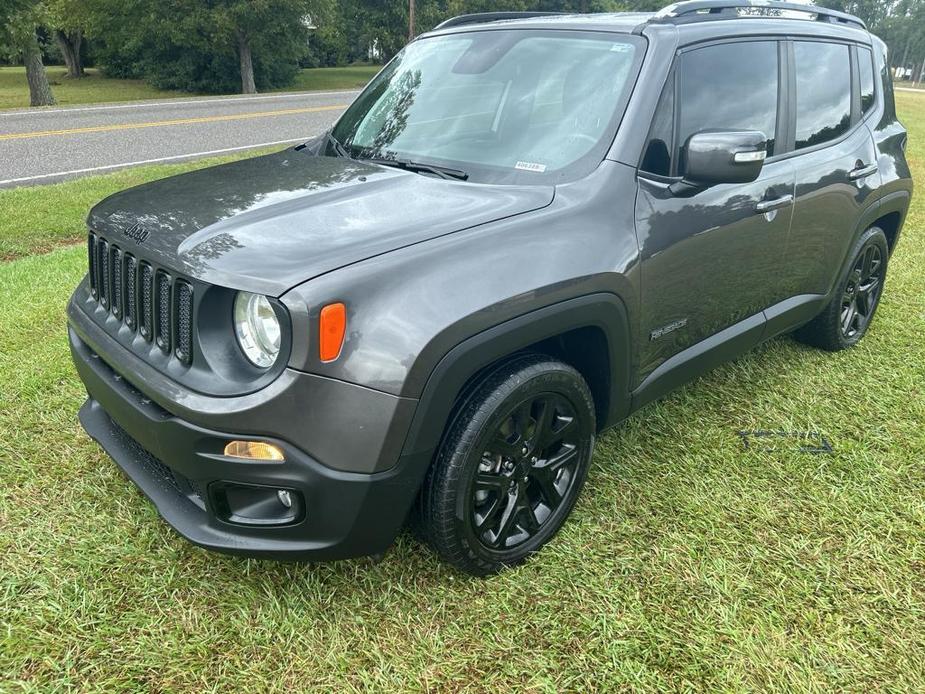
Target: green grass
689,563
95,88
327,78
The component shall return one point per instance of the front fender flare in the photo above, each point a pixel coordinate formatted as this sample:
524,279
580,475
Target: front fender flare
605,311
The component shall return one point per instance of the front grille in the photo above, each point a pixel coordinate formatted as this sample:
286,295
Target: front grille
146,287
91,256
184,320
162,315
131,293
143,298
102,253
115,281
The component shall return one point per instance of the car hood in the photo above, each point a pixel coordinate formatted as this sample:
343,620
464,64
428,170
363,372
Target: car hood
269,223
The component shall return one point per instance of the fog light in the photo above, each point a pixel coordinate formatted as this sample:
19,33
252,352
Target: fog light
256,504
254,450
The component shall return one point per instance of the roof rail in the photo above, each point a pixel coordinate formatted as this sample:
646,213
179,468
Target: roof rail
694,10
482,17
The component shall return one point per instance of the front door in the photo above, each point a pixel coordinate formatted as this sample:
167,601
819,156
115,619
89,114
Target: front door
712,260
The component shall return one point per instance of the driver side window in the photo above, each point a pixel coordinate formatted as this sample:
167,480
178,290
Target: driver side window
729,86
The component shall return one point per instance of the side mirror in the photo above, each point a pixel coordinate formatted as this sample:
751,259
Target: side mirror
721,157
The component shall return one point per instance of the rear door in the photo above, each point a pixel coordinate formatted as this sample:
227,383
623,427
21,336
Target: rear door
712,260
836,163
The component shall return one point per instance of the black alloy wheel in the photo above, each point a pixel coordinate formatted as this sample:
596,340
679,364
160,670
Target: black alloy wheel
526,471
862,292
511,465
849,313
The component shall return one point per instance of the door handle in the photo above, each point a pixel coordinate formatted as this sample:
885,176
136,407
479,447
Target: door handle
862,172
775,204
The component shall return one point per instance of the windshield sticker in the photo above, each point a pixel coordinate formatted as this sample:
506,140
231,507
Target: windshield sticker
530,166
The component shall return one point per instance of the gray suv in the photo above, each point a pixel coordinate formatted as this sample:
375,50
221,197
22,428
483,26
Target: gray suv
524,229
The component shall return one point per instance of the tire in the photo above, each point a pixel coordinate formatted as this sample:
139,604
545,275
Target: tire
845,320
510,466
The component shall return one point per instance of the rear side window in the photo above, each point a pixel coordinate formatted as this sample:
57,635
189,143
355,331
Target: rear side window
866,70
886,85
731,86
823,85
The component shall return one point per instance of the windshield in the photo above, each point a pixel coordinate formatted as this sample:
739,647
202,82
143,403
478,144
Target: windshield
511,106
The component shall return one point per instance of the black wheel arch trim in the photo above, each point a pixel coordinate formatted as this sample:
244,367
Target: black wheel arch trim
448,378
896,202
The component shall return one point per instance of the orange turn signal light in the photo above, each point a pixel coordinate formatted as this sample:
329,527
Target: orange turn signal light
332,326
254,450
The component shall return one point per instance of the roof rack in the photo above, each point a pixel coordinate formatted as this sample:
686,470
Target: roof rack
482,17
694,10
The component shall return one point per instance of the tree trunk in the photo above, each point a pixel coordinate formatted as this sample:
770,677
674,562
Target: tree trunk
247,65
39,89
410,20
905,56
70,45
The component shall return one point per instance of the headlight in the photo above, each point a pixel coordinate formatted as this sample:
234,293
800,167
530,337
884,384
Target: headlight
257,328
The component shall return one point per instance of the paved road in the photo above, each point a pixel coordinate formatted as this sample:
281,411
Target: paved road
44,146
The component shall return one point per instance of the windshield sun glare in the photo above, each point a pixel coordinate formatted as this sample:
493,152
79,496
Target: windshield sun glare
504,106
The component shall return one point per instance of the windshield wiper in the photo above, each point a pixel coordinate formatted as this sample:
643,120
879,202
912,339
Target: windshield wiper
418,167
338,147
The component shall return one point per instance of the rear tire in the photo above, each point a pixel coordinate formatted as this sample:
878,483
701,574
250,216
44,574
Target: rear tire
845,320
510,467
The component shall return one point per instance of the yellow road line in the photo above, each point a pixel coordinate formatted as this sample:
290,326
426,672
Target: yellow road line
163,123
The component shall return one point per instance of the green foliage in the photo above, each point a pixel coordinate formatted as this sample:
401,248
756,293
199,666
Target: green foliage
192,45
18,22
900,24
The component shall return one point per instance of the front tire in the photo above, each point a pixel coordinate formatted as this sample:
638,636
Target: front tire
847,317
510,467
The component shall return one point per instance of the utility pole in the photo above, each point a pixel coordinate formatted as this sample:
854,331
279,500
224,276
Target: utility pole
411,20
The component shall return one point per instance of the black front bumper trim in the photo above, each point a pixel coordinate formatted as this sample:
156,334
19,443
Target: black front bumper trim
174,462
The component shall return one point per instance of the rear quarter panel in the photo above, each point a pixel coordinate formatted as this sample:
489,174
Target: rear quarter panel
889,136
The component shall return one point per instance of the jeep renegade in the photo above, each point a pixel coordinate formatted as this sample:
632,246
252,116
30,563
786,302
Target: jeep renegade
524,229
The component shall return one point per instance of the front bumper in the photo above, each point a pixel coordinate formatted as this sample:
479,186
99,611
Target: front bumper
181,467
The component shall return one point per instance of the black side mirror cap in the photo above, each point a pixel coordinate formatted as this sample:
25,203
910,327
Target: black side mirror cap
715,157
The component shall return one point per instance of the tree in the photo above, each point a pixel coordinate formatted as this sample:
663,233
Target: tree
203,45
246,23
71,43
900,23
68,19
19,22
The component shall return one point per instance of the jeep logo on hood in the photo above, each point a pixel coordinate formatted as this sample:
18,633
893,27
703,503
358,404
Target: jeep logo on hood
137,233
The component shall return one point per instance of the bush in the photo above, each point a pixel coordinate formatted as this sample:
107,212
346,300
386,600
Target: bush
188,45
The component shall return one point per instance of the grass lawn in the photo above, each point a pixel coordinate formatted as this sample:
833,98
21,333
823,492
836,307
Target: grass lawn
333,78
95,88
14,91
689,562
